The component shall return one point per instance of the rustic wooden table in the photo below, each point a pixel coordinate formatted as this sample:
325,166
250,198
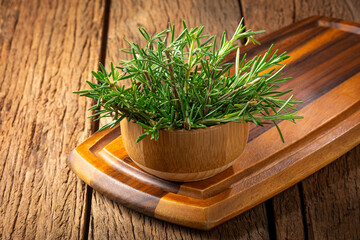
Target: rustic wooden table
48,49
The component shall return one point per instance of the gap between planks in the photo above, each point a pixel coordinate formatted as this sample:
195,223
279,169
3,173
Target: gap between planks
95,125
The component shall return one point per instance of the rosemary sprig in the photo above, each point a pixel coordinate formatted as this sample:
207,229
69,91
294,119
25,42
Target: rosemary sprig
183,82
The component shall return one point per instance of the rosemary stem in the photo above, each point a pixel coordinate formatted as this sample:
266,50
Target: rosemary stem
190,65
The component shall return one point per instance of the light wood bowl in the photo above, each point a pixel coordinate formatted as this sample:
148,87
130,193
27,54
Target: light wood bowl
183,155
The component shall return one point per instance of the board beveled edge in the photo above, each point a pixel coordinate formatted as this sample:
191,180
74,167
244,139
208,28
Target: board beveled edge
204,214
83,163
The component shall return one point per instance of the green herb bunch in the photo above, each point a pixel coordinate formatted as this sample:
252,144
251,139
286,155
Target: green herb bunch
184,82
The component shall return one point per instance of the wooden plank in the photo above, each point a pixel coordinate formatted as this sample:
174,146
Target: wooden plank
125,18
47,50
268,15
344,9
124,223
287,214
331,199
271,16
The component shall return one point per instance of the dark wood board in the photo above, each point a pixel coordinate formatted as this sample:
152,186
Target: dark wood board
328,88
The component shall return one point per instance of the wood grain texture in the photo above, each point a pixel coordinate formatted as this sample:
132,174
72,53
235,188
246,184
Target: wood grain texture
41,42
331,199
344,9
271,16
122,223
125,17
47,49
267,166
183,155
287,214
268,15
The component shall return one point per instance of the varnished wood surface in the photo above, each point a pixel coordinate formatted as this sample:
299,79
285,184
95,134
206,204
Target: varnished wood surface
287,220
41,198
267,166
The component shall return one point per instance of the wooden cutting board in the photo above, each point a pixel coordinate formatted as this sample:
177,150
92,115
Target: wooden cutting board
325,66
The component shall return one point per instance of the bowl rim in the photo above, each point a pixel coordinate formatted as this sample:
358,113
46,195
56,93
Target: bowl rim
195,130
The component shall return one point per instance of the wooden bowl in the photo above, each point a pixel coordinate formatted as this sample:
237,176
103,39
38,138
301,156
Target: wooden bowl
186,155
